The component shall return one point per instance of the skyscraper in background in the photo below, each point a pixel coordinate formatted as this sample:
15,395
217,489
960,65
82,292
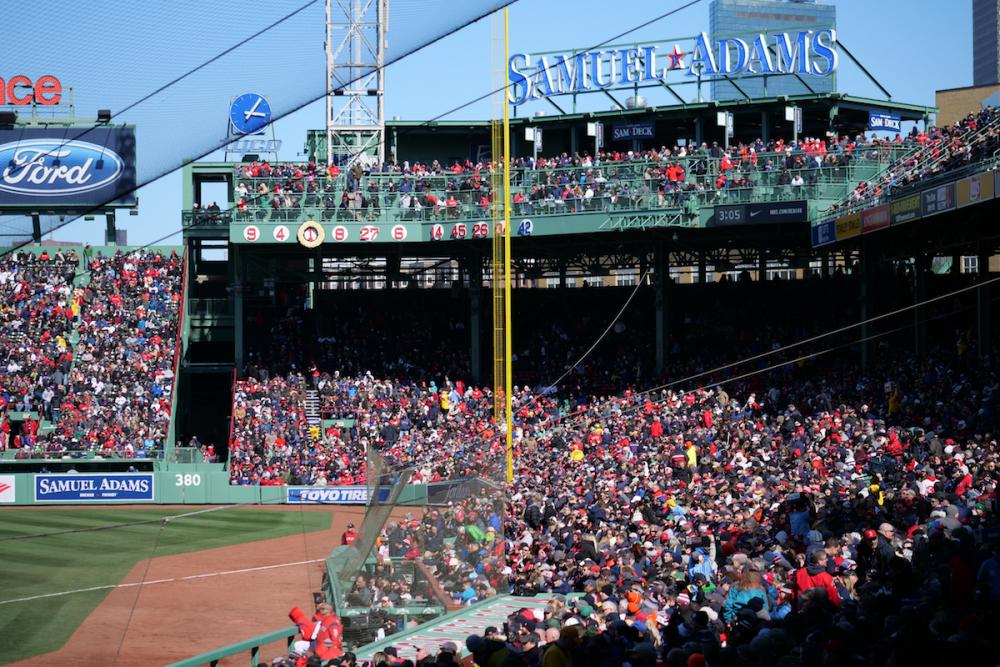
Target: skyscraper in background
985,42
727,17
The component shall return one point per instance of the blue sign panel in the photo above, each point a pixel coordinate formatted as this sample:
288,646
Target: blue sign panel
823,233
629,131
885,122
73,488
333,495
57,168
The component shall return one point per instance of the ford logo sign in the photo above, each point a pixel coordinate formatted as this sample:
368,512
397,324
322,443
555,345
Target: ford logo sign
54,167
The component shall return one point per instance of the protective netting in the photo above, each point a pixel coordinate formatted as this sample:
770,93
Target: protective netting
384,492
173,69
421,550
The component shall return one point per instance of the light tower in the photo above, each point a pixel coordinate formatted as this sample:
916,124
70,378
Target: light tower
355,83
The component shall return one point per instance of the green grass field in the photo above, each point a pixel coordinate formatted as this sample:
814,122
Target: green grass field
55,563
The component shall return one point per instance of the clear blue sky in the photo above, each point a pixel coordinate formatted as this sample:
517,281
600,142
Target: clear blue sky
913,47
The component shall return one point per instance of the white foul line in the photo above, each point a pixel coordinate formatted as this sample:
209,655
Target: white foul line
164,581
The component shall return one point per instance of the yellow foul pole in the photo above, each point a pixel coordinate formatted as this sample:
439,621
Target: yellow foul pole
506,243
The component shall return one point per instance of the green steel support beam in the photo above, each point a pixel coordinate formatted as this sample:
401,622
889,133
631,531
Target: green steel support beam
921,268
984,310
737,87
801,80
613,99
867,298
558,108
864,69
661,260
238,287
672,92
475,315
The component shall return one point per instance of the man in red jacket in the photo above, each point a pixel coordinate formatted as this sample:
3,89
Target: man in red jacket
323,631
814,575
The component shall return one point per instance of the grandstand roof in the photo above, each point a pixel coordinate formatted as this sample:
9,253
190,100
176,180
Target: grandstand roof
906,111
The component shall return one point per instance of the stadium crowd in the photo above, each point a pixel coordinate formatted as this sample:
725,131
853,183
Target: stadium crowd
787,527
680,176
611,179
37,313
112,395
274,443
974,138
812,515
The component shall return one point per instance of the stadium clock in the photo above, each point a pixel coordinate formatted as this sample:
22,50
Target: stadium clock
249,113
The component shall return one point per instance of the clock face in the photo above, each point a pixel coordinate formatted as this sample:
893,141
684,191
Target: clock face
249,113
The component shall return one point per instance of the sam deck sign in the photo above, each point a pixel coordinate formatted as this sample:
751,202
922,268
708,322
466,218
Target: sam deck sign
629,131
123,487
879,121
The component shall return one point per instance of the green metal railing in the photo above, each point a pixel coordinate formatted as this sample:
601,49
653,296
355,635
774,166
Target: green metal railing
617,187
899,191
252,647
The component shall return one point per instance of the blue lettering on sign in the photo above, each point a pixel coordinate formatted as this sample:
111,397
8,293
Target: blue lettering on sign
823,43
128,487
332,495
52,167
760,54
727,48
519,87
571,74
888,122
806,52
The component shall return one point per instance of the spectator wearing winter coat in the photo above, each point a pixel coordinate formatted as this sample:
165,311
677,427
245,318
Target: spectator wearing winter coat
814,575
750,586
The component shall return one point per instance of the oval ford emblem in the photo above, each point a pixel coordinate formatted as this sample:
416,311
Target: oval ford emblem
53,167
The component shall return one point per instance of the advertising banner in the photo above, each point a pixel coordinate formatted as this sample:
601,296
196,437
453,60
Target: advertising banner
808,53
974,189
332,495
8,485
67,168
874,218
823,233
629,131
726,216
885,122
116,487
938,200
848,226
768,213
906,209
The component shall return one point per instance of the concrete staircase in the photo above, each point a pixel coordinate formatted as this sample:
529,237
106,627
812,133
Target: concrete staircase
312,406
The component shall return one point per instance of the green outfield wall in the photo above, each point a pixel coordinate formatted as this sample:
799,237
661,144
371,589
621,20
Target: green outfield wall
180,484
